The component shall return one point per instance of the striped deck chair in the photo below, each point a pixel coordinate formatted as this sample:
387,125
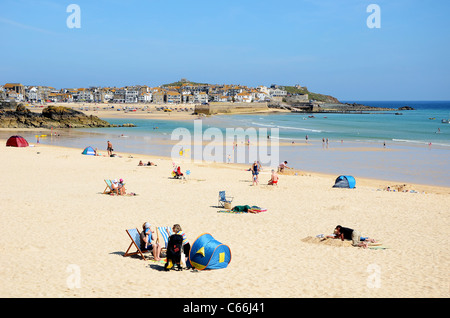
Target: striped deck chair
163,233
108,188
136,241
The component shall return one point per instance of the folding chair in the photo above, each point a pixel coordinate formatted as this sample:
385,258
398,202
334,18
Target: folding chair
224,199
108,188
136,241
163,233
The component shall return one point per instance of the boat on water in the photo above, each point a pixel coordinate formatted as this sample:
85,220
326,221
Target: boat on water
432,118
445,121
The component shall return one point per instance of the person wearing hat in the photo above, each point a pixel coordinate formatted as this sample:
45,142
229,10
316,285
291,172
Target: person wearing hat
121,186
115,186
147,241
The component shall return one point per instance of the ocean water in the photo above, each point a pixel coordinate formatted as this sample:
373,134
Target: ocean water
413,127
417,142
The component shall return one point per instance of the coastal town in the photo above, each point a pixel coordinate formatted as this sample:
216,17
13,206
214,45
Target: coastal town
182,92
200,98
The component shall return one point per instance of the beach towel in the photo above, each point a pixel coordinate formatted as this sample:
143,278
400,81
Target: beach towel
256,209
230,211
377,246
130,194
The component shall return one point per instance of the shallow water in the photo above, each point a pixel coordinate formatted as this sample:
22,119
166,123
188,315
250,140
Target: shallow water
355,141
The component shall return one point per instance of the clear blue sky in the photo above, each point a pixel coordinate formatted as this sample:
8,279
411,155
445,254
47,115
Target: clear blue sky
322,44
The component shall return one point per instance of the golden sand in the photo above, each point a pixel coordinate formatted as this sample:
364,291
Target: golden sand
61,237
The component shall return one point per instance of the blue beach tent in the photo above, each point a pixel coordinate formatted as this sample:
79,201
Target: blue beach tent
88,151
345,182
208,253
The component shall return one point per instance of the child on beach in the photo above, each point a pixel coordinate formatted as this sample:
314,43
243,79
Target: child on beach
274,178
186,245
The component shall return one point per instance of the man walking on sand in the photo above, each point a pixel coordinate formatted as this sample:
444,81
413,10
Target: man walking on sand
109,148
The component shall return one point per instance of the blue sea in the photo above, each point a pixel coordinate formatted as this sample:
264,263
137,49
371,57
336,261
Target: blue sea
413,146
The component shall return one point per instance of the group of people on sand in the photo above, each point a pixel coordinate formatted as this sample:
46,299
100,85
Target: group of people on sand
146,164
256,168
178,238
118,187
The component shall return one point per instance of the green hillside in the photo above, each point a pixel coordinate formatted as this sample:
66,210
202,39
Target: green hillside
312,96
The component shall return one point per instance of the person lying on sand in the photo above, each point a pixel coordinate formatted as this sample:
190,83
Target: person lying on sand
345,233
147,164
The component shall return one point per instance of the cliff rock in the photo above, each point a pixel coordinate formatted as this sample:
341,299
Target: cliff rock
56,117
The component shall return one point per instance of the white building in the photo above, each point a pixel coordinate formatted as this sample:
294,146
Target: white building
201,97
145,98
33,94
277,92
131,96
85,95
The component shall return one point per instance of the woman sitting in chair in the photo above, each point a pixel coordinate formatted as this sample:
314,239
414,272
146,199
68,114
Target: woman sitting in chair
147,243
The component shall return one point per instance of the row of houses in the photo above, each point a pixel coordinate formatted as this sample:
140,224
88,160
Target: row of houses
177,94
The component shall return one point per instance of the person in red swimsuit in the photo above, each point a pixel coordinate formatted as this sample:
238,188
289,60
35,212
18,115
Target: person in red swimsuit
273,179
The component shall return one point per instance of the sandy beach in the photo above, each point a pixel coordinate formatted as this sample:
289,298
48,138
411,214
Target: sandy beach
57,223
139,111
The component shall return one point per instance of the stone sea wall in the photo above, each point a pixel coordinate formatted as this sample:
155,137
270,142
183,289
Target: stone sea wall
230,108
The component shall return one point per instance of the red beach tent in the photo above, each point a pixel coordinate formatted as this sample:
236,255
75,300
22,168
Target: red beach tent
16,141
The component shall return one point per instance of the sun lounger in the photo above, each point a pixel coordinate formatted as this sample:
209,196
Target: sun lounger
136,241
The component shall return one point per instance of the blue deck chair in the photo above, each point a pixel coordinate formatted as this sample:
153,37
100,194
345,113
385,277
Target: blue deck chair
163,233
108,188
135,237
224,199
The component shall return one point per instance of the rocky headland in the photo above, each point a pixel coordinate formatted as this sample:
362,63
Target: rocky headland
51,117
